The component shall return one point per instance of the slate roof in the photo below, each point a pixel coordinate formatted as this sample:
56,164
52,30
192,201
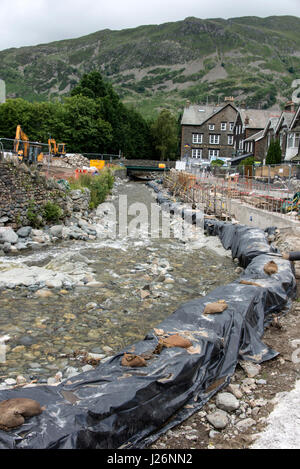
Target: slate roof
258,118
198,114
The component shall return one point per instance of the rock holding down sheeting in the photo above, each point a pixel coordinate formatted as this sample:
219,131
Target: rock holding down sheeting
116,406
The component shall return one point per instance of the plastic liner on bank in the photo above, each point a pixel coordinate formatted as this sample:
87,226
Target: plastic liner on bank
114,406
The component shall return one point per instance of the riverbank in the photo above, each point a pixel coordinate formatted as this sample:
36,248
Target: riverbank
70,303
260,407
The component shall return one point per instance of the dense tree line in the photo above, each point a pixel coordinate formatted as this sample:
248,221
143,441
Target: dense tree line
92,120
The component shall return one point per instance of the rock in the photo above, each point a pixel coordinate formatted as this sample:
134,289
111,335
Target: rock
10,381
87,368
213,433
54,283
235,390
107,349
261,381
91,306
218,419
43,293
71,371
21,246
56,231
24,232
21,380
26,340
144,294
251,369
227,401
245,424
7,247
52,381
8,235
169,280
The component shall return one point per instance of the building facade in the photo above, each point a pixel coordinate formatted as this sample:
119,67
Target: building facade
207,132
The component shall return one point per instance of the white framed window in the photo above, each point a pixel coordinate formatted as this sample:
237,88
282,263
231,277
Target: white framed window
211,126
293,140
197,153
214,139
241,144
197,138
231,124
230,140
223,125
213,153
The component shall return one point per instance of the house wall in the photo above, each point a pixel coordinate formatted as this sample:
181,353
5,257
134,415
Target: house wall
227,114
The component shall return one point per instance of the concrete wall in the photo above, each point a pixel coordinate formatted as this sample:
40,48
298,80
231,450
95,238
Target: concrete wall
256,217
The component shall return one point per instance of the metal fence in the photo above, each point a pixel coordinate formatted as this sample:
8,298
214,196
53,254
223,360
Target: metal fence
215,192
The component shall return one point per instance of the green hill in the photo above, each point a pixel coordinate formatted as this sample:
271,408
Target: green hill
155,66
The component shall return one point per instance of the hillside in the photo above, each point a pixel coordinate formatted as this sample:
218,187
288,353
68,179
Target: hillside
254,59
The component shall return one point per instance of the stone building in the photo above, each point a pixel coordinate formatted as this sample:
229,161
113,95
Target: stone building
248,127
207,131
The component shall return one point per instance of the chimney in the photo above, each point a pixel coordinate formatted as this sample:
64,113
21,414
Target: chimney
228,99
290,106
246,120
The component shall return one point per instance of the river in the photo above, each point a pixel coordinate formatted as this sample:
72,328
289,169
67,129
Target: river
140,281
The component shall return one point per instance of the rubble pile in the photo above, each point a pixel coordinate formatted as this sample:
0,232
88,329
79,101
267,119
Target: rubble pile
72,160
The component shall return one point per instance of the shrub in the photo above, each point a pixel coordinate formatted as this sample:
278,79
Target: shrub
52,211
99,185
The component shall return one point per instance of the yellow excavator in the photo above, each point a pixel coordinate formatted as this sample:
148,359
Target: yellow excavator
56,149
30,152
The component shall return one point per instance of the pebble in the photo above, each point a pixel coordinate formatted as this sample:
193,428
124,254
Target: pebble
227,401
245,424
87,368
213,433
235,390
10,381
21,379
71,371
261,381
251,369
218,419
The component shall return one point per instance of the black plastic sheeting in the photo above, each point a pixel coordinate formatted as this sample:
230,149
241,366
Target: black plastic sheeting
114,406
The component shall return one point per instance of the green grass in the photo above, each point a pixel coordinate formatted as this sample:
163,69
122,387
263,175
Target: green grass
99,185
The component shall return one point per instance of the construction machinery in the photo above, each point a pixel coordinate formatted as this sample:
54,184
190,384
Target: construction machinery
30,152
56,149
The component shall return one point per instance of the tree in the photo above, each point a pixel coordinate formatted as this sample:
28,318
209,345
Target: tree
274,152
165,135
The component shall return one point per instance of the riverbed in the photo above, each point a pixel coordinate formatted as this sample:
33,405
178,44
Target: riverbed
137,282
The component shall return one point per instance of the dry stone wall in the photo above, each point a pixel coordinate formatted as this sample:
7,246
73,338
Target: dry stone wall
23,189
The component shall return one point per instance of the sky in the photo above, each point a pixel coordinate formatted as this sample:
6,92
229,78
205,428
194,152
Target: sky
31,22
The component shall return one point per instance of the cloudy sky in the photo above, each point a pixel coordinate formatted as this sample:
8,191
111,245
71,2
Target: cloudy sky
29,22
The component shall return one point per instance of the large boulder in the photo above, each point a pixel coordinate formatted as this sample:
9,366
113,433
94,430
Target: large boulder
7,235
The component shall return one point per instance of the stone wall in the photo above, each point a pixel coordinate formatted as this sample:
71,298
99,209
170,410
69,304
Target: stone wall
22,188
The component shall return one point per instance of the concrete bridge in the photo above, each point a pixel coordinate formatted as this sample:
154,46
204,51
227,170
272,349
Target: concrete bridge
146,169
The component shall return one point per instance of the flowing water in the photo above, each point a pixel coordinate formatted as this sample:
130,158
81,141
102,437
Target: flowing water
142,280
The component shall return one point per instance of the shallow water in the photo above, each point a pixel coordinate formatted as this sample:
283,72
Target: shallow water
133,296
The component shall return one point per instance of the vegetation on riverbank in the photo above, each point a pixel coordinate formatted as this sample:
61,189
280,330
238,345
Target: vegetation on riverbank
99,185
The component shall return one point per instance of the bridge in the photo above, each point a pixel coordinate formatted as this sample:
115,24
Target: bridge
145,168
